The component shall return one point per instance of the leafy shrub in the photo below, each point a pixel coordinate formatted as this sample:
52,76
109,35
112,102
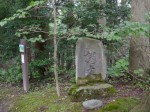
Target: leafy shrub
13,74
38,67
138,77
141,79
119,69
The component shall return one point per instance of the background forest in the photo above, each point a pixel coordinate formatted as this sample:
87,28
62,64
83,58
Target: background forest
107,21
75,19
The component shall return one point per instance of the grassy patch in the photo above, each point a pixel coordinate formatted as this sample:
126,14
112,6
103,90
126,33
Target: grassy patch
8,95
4,92
8,92
45,100
120,105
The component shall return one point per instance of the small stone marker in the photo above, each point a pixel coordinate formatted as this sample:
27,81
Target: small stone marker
90,58
92,104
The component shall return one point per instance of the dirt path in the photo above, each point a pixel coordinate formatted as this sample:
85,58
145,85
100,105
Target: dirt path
4,100
8,95
4,105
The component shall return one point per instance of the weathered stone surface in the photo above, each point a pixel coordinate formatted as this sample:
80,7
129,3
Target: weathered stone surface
90,71
91,91
92,104
90,58
95,78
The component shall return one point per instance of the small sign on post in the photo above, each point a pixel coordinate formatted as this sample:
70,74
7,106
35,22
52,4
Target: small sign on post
21,48
23,51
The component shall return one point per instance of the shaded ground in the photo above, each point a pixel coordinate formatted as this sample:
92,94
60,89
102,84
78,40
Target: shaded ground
42,98
8,95
125,91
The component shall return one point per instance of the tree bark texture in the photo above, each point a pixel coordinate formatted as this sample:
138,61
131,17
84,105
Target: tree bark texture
139,52
55,50
144,106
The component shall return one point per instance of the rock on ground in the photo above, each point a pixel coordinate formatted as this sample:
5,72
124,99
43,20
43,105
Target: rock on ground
92,104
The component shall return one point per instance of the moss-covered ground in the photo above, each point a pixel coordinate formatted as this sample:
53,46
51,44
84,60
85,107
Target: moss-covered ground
120,105
44,99
38,100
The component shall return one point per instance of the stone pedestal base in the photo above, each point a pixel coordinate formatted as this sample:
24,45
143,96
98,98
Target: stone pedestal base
79,93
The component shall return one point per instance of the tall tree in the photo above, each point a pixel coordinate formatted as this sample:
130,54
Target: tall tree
139,52
55,49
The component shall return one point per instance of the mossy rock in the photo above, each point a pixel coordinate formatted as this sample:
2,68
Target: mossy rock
120,105
94,78
90,91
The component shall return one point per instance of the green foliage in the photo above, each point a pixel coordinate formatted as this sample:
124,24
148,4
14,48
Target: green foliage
120,32
2,74
24,14
33,20
126,29
141,79
13,74
22,23
21,13
37,39
119,69
115,13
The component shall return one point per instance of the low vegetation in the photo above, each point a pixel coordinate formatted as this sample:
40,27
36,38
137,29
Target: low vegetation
120,105
45,99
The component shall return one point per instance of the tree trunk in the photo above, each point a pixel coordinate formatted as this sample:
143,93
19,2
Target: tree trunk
139,52
102,20
144,106
55,50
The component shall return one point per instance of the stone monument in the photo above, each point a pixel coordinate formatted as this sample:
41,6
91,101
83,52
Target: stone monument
90,59
90,71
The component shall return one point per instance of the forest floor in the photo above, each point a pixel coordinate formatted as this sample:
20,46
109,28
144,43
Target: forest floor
42,98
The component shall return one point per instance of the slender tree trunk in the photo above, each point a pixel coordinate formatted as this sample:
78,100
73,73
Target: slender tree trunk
55,50
102,20
139,52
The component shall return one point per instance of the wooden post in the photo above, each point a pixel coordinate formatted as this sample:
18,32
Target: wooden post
24,60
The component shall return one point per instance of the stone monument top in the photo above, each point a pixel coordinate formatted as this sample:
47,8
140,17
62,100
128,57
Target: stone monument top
90,58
